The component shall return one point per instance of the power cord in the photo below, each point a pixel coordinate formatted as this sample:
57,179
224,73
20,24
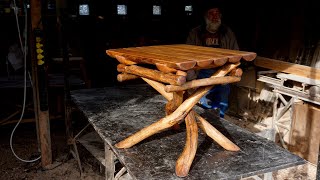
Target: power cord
24,48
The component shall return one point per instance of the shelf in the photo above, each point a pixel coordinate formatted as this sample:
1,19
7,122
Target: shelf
94,144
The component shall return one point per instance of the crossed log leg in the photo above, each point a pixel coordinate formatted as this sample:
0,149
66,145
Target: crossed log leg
185,160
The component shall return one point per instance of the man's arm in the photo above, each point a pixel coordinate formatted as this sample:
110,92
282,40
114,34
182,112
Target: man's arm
193,38
229,40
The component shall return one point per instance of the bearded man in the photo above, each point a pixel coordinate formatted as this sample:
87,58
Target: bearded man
217,35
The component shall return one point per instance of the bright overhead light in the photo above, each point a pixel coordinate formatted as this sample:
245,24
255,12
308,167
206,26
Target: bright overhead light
84,10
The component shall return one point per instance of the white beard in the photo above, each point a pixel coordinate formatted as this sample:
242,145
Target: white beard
212,27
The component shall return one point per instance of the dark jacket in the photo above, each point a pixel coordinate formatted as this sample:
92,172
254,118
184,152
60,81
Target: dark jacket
227,37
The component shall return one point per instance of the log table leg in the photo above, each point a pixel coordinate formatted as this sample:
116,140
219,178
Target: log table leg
177,110
215,134
184,162
176,116
172,105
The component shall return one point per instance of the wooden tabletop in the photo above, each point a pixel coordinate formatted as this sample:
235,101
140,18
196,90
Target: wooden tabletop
182,56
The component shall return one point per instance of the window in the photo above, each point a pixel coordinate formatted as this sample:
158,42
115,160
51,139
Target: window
84,10
156,10
188,9
122,9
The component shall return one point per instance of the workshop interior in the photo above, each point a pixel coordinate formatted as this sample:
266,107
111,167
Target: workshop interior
117,89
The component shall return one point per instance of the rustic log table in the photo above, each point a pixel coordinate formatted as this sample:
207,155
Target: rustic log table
172,62
117,112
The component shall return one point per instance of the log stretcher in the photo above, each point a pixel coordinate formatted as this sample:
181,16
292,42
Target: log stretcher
172,62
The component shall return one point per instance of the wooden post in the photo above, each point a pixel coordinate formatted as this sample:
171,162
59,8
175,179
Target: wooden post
63,38
40,88
109,162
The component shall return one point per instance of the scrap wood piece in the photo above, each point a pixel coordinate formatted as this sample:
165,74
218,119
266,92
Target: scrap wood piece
153,74
176,116
184,162
216,135
202,82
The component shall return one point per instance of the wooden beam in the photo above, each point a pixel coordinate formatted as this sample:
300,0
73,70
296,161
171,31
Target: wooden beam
297,69
42,116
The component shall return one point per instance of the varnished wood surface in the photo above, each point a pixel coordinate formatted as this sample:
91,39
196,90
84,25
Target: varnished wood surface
181,56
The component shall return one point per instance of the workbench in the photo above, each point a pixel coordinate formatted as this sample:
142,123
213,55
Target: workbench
117,112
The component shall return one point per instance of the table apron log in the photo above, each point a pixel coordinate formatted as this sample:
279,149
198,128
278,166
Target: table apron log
153,74
202,82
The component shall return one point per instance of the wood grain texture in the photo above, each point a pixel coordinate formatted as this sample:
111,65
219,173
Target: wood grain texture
184,161
176,116
233,54
305,131
209,53
203,59
180,56
296,69
215,134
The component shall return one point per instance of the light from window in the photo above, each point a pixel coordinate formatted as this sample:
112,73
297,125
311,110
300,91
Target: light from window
156,10
122,9
188,8
84,9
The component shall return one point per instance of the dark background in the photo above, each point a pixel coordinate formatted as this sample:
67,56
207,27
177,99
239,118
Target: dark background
276,29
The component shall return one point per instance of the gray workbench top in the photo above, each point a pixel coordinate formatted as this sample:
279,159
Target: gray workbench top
117,112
